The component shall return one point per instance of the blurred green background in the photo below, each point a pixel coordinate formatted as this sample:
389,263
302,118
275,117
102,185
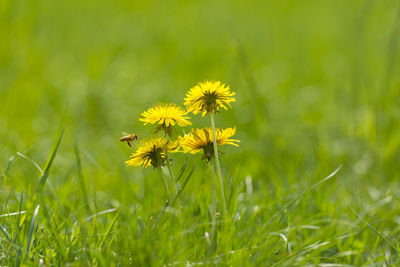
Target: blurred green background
317,83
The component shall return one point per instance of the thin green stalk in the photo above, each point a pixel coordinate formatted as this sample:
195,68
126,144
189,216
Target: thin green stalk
217,163
165,184
214,205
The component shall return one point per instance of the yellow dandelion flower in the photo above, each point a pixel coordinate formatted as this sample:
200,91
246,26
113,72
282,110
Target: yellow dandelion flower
208,97
202,139
166,116
152,152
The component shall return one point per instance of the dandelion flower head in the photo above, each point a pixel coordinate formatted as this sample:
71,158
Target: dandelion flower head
152,152
202,139
166,116
208,97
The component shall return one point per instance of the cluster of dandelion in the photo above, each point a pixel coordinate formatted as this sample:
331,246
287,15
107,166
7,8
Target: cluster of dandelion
207,98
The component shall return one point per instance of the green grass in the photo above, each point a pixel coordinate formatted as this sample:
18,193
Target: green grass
318,87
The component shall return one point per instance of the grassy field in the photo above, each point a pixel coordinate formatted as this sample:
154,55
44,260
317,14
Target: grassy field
314,182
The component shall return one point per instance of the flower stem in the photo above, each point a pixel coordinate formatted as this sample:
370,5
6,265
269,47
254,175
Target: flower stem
172,177
216,154
165,184
214,204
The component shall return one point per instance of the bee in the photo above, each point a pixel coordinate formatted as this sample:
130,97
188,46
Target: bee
129,138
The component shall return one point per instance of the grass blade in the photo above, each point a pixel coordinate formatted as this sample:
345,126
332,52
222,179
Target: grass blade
5,233
10,162
31,228
20,209
99,213
291,203
31,161
182,187
313,186
80,177
386,239
12,214
50,161
53,153
159,216
109,228
182,170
